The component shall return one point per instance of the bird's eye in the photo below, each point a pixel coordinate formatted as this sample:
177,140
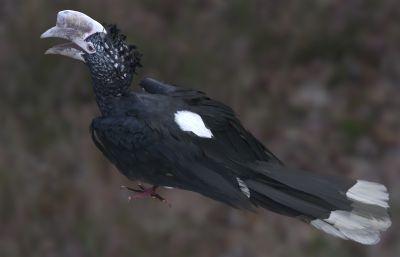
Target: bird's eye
90,48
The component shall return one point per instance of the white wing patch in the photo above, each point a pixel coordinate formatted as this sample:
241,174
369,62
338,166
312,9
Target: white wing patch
192,122
243,187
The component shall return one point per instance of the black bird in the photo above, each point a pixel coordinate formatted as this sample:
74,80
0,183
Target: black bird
181,138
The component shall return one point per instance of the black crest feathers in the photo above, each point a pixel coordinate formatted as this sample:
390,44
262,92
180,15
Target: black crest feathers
118,41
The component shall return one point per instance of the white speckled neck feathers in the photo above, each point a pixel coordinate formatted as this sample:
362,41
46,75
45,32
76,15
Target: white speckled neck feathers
112,66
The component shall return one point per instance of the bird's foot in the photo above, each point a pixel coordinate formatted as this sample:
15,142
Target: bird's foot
145,192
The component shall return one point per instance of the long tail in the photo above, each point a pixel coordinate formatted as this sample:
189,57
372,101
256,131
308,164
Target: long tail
349,209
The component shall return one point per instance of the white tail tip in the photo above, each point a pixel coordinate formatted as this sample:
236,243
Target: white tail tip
367,219
369,193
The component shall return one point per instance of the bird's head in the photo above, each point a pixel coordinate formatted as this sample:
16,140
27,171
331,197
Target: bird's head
110,59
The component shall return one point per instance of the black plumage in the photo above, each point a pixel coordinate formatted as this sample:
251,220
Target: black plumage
175,137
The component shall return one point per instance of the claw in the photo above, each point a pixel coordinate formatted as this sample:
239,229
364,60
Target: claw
132,189
144,192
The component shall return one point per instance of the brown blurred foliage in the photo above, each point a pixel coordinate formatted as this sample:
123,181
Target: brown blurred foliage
318,81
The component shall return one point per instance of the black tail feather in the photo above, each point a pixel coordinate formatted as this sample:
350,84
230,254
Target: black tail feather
350,209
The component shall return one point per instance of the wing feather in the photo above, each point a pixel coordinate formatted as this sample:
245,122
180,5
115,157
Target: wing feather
221,119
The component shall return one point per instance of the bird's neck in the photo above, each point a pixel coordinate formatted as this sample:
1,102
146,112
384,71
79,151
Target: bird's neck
107,92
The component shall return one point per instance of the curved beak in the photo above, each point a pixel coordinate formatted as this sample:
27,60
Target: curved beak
75,27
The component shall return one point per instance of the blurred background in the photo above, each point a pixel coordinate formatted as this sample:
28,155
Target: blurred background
317,81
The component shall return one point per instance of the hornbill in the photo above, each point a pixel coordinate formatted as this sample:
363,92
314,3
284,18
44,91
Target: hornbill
176,137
